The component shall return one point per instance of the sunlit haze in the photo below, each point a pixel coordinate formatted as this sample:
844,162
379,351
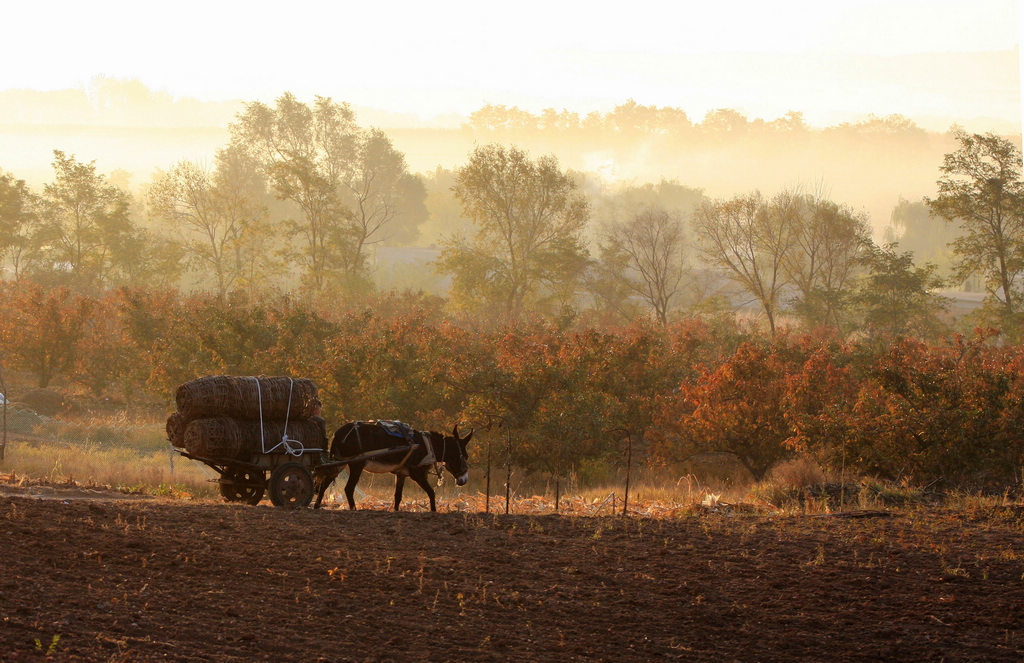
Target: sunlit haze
930,60
138,87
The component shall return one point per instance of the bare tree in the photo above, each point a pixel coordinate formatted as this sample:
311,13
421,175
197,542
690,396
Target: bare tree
750,238
651,248
218,212
373,190
828,242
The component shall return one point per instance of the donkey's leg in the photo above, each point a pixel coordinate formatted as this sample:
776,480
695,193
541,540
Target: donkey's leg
321,487
399,484
354,470
419,475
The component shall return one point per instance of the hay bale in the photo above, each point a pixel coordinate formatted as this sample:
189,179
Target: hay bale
240,398
176,425
225,437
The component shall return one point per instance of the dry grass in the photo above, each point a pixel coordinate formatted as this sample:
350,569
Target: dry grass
122,468
119,430
131,456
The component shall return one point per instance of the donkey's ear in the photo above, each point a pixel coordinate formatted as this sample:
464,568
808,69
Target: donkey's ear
464,441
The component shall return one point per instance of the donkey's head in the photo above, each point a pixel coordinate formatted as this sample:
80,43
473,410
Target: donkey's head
454,455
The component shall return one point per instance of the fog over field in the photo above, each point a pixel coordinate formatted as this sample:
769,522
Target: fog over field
854,100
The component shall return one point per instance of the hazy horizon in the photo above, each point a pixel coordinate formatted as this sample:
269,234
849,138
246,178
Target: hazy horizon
938,59
141,87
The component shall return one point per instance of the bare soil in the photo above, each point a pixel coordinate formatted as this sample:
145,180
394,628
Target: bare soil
94,578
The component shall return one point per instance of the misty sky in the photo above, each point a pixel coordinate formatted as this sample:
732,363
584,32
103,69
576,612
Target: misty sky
833,61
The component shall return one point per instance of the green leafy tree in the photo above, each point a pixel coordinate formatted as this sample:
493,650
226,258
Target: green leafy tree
981,189
526,248
86,233
916,228
350,185
382,196
412,212
896,298
306,152
18,220
444,212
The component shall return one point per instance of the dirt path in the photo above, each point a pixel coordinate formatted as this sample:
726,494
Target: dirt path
64,493
130,580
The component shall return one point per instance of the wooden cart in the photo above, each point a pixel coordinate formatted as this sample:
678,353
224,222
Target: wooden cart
287,474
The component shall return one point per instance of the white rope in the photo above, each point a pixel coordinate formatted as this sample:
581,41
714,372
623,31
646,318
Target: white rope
259,393
285,442
288,412
297,451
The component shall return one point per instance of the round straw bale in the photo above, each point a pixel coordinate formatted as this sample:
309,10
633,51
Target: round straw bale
224,437
243,397
176,424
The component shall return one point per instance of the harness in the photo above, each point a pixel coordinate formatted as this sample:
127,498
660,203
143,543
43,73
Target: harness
394,428
430,454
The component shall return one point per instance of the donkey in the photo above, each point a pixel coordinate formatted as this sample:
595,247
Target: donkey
429,450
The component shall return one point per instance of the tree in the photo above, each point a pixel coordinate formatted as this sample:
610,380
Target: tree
634,120
41,333
895,297
306,152
104,358
737,407
500,118
446,216
917,229
349,184
724,121
981,188
651,247
528,218
218,213
379,191
827,242
86,230
411,211
18,220
749,237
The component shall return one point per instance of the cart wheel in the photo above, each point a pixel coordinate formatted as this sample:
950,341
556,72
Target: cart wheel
237,485
291,485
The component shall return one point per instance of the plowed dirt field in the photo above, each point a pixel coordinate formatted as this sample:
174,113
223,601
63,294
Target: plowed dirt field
137,580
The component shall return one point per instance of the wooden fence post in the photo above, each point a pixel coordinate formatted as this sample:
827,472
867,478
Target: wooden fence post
629,465
508,468
487,498
3,424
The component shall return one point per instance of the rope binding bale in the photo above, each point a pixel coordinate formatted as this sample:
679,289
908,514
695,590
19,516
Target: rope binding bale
226,437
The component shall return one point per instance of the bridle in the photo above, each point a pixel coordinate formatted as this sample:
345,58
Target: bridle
439,461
